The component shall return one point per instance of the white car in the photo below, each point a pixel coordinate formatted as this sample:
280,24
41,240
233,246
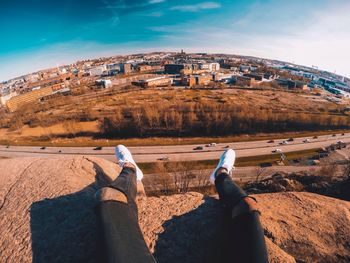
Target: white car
277,151
283,143
211,144
165,158
306,140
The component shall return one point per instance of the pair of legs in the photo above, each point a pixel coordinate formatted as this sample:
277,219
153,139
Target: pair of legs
123,239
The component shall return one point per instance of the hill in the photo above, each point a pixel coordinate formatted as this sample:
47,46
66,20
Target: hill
47,215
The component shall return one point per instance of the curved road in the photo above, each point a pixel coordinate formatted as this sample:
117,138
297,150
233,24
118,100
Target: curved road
179,152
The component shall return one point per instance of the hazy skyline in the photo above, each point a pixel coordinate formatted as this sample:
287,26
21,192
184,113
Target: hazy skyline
39,34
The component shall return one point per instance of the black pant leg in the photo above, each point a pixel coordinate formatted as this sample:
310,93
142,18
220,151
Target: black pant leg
246,243
247,239
229,192
126,183
123,241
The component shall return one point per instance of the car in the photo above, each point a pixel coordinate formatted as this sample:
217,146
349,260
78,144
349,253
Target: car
165,158
341,144
306,141
277,151
98,148
342,134
7,146
263,165
42,148
198,148
227,146
211,144
283,143
334,135
315,137
290,140
270,141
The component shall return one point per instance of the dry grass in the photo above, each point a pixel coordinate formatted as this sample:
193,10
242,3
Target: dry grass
149,168
121,106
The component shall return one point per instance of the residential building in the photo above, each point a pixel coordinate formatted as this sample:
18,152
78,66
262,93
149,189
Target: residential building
98,71
194,80
173,68
291,84
154,82
213,66
257,77
125,68
149,68
104,83
244,81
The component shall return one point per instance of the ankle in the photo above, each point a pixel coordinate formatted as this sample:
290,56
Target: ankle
129,165
221,170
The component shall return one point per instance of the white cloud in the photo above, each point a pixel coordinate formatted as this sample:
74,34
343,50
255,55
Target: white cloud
320,37
196,7
156,1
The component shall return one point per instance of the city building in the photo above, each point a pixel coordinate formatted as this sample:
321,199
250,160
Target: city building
174,68
291,84
194,80
125,68
149,68
213,66
245,81
222,77
257,77
98,71
154,82
104,83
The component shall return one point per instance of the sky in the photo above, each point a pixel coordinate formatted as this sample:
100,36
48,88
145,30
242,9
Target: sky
38,34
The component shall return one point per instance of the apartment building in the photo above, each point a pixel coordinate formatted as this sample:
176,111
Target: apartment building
148,68
154,82
98,71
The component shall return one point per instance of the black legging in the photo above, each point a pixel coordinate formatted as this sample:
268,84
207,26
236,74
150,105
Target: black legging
124,242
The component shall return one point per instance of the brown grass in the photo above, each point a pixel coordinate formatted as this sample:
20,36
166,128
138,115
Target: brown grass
159,115
149,168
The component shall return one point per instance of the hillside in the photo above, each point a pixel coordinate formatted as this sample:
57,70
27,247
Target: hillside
47,215
138,113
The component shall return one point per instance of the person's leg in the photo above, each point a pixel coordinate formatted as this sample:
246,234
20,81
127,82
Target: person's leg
246,241
122,238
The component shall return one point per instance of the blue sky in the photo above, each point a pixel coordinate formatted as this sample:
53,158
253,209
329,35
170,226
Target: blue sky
37,34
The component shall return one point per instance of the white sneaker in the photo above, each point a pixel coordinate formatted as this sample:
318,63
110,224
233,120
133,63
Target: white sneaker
124,156
227,161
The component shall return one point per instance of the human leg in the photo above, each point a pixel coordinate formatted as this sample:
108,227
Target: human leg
117,211
246,241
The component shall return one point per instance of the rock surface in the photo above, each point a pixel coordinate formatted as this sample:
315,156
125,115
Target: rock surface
47,215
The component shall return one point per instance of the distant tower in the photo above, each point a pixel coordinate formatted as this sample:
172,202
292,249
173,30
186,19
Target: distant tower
182,51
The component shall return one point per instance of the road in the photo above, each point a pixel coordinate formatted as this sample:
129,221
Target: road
144,154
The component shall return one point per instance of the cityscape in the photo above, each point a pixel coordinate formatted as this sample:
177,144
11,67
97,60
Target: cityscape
181,70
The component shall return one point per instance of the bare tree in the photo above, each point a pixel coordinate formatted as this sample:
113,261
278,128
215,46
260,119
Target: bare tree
259,171
347,170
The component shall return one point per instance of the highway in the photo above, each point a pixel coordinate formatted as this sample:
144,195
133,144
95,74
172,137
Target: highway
144,154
